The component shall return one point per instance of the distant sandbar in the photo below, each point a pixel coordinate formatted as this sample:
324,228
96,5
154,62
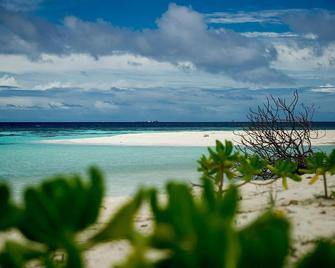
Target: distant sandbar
178,138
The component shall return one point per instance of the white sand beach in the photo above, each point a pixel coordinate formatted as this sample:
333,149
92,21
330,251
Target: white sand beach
178,138
312,217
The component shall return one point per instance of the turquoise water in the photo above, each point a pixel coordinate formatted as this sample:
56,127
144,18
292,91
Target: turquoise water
24,161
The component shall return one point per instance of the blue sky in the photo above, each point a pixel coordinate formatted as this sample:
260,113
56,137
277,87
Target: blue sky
81,60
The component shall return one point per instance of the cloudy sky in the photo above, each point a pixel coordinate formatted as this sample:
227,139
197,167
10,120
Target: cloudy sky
130,60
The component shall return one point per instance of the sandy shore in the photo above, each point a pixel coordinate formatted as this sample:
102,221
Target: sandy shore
180,138
311,217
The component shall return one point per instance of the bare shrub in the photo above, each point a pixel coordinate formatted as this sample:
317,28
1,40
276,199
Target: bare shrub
280,129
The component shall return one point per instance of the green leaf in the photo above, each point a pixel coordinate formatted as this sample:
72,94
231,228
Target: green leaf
229,147
39,222
314,179
317,163
15,255
60,207
74,259
295,177
228,205
285,169
322,256
331,162
93,198
195,233
209,196
10,215
250,166
180,202
120,226
265,242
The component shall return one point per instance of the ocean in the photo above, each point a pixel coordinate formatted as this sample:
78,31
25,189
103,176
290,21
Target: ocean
24,161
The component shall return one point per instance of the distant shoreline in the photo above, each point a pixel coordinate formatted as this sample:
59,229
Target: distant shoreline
173,138
146,125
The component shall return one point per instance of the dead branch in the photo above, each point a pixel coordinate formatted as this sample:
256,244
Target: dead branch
280,129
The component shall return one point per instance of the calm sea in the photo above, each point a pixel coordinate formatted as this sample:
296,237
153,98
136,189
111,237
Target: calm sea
24,161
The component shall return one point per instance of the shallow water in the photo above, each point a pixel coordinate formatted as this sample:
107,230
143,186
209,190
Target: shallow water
24,161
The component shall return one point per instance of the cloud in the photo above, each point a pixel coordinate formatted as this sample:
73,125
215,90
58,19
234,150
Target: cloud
83,71
8,81
20,5
53,85
307,23
313,23
182,35
270,34
105,105
35,102
239,17
62,64
320,23
163,104
328,88
301,58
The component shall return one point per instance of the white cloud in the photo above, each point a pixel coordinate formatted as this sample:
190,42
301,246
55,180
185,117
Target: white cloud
34,103
182,35
270,34
238,17
328,88
105,105
80,62
83,71
183,51
21,5
8,81
24,102
53,85
300,58
317,23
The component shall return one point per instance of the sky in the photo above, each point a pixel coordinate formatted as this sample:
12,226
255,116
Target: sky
81,60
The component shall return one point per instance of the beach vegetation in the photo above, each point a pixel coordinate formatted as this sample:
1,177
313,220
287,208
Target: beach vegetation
280,129
219,164
320,164
231,166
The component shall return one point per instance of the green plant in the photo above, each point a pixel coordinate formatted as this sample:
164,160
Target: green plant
192,231
320,164
322,256
235,165
200,232
53,213
9,213
285,169
250,166
219,163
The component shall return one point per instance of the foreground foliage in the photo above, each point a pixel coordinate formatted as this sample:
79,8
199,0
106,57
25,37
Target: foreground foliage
188,231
